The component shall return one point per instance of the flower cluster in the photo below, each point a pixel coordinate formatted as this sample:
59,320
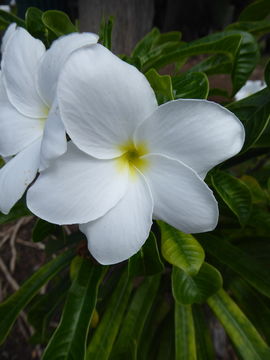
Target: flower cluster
128,160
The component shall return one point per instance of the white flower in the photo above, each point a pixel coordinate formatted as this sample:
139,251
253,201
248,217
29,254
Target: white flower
130,160
30,126
250,87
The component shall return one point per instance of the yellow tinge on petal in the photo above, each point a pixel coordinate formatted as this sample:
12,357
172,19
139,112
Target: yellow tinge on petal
133,157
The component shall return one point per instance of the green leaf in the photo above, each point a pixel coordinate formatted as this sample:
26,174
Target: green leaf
147,261
257,10
58,22
105,32
10,309
204,345
19,210
165,344
42,229
246,298
195,289
221,43
244,336
34,24
259,196
146,43
267,74
69,339
192,85
254,113
161,84
7,18
104,336
216,64
234,193
180,249
185,344
256,28
129,337
243,264
246,60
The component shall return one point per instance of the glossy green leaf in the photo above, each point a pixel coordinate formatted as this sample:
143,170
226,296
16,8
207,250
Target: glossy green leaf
234,193
257,28
129,337
10,309
192,85
246,60
70,337
105,32
102,341
254,113
215,64
180,249
147,261
58,22
246,297
146,43
16,212
42,229
161,84
7,18
222,43
204,344
185,343
34,24
243,264
242,333
259,195
195,289
257,10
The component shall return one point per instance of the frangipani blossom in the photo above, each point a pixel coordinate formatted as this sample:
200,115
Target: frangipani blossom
130,160
250,87
30,125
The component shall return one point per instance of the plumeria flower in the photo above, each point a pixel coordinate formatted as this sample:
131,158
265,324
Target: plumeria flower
130,160
30,125
250,87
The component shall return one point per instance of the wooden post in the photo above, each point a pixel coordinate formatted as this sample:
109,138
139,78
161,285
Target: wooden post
133,19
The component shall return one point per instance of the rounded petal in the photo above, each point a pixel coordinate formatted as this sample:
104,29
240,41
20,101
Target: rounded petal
54,142
181,198
77,188
19,67
199,133
17,174
122,231
7,36
54,59
102,99
16,130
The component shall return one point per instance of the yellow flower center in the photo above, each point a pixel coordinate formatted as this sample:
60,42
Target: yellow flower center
133,157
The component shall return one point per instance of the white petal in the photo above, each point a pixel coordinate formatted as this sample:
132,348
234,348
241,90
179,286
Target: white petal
16,130
54,59
19,67
17,174
54,143
122,231
180,196
199,133
77,188
7,36
102,99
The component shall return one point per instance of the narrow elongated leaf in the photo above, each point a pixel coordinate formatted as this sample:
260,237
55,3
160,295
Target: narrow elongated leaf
58,22
204,345
185,344
129,337
246,298
10,309
180,249
104,336
105,32
195,289
161,84
69,339
234,193
192,85
8,18
147,261
42,229
245,265
246,60
245,337
165,344
257,10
